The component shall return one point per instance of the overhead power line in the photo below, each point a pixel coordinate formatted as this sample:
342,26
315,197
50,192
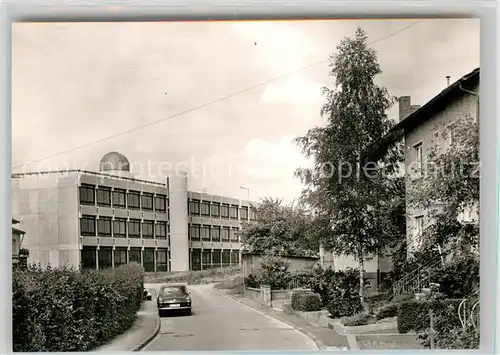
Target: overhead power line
207,104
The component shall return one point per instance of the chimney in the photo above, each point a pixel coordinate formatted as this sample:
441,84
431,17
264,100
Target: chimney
448,80
404,107
414,108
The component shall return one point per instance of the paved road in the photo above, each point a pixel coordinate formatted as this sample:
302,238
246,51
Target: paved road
220,323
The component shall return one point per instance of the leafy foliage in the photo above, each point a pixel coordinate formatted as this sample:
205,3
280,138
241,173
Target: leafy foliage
450,179
251,281
357,320
459,278
280,229
414,315
65,310
387,311
358,205
274,272
306,302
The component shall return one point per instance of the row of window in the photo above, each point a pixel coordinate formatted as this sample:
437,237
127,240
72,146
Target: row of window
205,259
108,258
215,209
120,228
213,234
104,196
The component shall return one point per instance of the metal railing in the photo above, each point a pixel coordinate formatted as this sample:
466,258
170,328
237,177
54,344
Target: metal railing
417,279
468,312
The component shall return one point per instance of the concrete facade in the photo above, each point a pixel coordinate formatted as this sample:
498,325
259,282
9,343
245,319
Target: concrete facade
100,220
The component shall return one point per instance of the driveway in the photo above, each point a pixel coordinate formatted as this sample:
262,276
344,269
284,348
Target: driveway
220,323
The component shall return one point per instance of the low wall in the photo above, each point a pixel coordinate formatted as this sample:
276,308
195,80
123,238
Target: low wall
278,298
252,293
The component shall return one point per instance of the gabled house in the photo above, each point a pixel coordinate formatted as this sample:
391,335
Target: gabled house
17,239
421,127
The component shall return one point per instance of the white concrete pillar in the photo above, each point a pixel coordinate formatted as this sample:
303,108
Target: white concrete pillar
179,240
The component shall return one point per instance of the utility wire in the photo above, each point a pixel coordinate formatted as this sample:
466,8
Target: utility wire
210,103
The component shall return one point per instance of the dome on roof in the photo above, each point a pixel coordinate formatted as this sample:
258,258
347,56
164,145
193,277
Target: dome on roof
114,161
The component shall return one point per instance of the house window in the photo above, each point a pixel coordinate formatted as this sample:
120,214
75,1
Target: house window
105,258
224,211
133,199
419,230
134,228
418,158
206,256
253,214
226,258
194,207
161,230
134,255
235,258
194,232
233,234
205,209
196,259
160,203
104,196
216,257
118,198
120,228
244,213
215,234
87,226
215,209
233,212
147,229
205,233
224,234
147,201
148,259
120,256
89,257
104,227
161,260
87,196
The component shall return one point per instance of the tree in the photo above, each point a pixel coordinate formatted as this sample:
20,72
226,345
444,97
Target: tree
280,229
448,187
356,203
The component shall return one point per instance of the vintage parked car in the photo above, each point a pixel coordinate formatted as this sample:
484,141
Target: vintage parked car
147,295
174,298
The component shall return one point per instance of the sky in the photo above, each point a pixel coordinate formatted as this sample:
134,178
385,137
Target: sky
74,85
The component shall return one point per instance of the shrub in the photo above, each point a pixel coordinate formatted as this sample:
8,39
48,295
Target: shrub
251,281
65,310
414,315
306,302
339,291
274,273
459,278
387,311
356,320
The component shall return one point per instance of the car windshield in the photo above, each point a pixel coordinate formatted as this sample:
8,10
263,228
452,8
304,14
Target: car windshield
172,290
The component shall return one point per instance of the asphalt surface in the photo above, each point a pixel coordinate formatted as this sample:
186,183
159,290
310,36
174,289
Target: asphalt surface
219,323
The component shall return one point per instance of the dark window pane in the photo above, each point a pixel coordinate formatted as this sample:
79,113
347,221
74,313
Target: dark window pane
120,228
224,234
104,227
161,230
118,198
87,194
194,207
215,210
134,255
216,257
205,233
233,212
160,203
89,258
244,213
224,211
205,209
134,229
147,201
87,225
161,260
104,196
196,259
105,260
120,256
233,235
148,259
133,199
194,232
216,234
147,229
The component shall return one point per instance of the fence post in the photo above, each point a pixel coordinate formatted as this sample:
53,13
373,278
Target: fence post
431,332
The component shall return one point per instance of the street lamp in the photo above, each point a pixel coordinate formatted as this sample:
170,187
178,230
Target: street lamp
248,192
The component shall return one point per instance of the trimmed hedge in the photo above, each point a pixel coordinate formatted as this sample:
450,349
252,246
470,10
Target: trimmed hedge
65,310
306,302
414,315
356,320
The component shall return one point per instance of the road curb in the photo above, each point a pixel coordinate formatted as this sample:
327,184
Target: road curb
318,342
150,337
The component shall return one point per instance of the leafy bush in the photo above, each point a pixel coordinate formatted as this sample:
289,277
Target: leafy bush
65,310
356,320
414,315
387,311
274,273
459,278
251,281
306,302
339,291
